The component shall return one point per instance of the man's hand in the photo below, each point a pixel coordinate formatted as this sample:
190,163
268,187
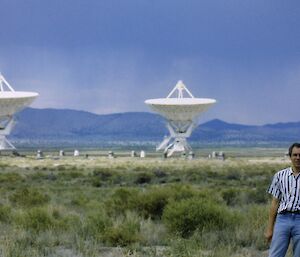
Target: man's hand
268,235
272,217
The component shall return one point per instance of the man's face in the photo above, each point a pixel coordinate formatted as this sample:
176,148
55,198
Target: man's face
295,158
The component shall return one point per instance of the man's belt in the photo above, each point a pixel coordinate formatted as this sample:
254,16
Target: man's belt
292,212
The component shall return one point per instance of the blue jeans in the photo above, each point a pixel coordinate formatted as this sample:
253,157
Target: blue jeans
287,226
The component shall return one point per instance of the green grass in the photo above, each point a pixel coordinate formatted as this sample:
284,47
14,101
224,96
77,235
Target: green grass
134,207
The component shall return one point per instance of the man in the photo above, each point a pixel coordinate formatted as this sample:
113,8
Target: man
285,208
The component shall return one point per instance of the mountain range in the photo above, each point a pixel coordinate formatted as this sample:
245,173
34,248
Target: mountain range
63,126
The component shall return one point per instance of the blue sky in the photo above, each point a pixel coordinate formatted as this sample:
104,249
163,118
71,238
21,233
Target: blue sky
107,56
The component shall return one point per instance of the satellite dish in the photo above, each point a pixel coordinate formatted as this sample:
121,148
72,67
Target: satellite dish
181,110
11,102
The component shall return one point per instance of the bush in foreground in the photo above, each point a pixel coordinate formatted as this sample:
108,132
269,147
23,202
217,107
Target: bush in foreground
28,197
5,213
36,219
186,216
123,233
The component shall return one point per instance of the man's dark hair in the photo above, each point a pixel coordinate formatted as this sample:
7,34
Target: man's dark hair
292,146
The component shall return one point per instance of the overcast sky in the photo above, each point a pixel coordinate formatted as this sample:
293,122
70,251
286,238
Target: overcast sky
108,56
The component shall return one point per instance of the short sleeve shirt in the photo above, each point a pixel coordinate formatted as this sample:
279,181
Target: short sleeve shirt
286,187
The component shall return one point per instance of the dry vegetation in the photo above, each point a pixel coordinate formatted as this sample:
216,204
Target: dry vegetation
96,206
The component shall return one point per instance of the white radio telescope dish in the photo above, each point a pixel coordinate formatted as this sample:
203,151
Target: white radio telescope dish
181,110
11,102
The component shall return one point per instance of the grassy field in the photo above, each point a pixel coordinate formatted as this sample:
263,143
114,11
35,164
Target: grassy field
96,206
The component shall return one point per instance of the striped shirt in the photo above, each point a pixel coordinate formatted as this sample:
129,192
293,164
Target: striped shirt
286,187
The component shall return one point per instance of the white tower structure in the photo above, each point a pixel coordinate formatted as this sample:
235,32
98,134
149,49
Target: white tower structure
181,110
11,101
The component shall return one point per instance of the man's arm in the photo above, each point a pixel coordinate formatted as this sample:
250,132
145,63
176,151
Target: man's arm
272,217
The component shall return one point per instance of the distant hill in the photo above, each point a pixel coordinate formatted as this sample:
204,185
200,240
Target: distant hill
54,125
236,134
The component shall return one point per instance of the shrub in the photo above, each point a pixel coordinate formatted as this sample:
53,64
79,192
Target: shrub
5,213
95,225
186,216
40,176
150,203
159,173
180,192
143,178
10,177
21,244
47,218
67,222
234,197
101,173
121,200
79,200
36,219
100,176
152,233
124,231
257,195
153,202
96,182
233,175
231,196
250,236
29,197
70,175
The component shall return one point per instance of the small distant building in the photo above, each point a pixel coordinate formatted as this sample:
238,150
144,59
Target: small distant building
221,156
143,154
111,155
133,154
191,155
61,153
39,154
76,153
214,155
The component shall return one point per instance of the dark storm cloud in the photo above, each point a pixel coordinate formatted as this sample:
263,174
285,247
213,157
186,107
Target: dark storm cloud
89,54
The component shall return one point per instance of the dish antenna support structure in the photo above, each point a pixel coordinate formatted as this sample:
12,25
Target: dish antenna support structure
181,110
11,101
